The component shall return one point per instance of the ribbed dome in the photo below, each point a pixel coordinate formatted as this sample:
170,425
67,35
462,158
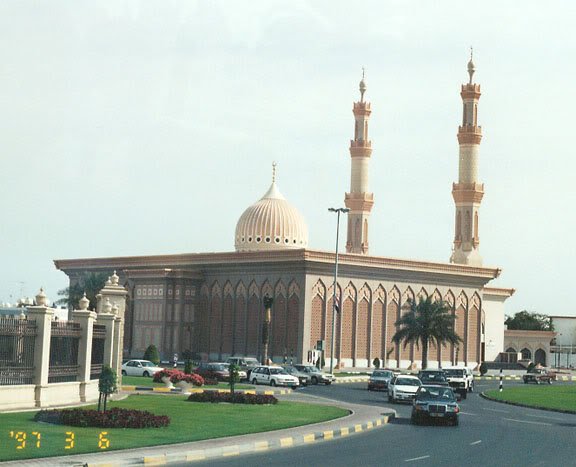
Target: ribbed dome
271,224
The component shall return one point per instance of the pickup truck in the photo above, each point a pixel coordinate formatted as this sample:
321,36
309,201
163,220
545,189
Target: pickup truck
539,375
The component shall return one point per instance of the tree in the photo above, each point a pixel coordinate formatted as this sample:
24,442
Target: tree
425,322
91,283
528,321
152,354
106,385
234,375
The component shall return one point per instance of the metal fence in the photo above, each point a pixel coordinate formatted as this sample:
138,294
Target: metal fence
98,339
64,351
17,340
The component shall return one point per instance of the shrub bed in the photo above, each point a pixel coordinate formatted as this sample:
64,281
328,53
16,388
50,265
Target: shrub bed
177,376
113,418
236,398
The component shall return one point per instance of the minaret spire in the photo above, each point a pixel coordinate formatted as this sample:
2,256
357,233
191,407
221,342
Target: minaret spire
359,200
468,193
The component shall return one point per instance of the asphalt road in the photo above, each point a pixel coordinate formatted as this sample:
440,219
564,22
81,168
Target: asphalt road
490,434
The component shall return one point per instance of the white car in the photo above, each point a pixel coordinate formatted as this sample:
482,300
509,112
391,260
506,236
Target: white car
403,388
274,376
140,368
461,380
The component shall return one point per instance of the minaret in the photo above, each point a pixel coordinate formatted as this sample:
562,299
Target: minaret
359,201
468,193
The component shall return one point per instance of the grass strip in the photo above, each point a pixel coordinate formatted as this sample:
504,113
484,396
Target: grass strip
22,438
546,397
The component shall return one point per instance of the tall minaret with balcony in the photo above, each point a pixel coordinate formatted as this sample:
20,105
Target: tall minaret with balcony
468,193
359,200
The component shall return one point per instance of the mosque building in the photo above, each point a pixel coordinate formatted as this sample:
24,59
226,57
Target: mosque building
212,303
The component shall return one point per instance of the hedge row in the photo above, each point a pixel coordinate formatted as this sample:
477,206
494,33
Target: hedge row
113,418
236,398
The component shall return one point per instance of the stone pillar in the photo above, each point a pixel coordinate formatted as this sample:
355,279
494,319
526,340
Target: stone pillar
108,319
113,298
86,320
43,317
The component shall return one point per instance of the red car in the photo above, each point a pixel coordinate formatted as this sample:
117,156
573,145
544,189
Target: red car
218,371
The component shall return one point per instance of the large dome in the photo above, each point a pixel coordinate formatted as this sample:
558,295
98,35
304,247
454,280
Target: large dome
271,223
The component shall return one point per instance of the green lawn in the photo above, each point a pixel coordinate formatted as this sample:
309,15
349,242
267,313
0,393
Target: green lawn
149,382
348,373
550,397
190,421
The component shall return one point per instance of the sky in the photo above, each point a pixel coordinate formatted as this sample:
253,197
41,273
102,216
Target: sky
148,127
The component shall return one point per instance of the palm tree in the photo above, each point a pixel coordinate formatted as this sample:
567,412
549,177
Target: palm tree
425,322
90,283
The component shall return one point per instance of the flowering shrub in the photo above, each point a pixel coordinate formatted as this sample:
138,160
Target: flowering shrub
235,398
177,376
113,418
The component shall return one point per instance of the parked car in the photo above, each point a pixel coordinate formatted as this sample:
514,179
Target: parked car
242,375
539,375
213,370
246,364
274,376
433,377
461,380
316,375
303,377
379,380
433,402
403,388
140,368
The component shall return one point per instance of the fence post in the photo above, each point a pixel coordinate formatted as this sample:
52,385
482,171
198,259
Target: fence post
43,317
86,320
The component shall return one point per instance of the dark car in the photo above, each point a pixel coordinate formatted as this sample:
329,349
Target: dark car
379,380
433,377
435,402
539,375
217,371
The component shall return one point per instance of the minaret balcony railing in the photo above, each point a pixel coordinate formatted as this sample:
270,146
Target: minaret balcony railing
360,143
470,129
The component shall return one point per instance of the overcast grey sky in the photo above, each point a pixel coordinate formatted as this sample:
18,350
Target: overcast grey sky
147,127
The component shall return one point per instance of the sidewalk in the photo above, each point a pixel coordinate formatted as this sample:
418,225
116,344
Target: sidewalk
362,418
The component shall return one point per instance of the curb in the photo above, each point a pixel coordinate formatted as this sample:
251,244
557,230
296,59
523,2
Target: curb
256,446
351,379
519,378
519,404
270,392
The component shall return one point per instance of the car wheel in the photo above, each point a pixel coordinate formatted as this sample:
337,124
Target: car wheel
255,382
294,387
273,382
314,380
455,421
471,388
550,381
328,383
525,382
537,381
145,374
414,419
124,373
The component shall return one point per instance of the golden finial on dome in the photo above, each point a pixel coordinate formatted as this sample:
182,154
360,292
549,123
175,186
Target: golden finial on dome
274,172
471,67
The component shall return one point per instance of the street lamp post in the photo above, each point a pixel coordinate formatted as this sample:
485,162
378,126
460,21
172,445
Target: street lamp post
338,211
268,301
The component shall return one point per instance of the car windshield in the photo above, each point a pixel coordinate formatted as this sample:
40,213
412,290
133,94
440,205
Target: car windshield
457,373
149,364
432,393
382,374
432,377
308,369
251,361
407,382
218,367
277,371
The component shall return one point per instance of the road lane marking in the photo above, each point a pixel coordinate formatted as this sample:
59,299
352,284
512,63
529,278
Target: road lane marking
416,458
468,413
476,442
544,416
527,421
496,410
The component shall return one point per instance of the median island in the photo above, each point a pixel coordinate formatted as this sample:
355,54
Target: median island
24,438
556,398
